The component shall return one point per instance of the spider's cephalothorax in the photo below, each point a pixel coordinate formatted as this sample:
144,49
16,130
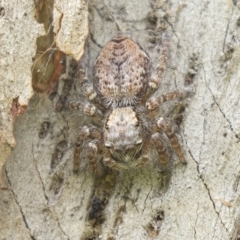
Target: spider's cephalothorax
122,129
122,97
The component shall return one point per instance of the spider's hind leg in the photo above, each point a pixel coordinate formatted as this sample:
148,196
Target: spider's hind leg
94,155
89,92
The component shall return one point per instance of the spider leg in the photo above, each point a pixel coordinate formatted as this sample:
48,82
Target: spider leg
85,133
163,156
88,90
87,108
76,71
92,95
154,102
168,130
93,156
154,82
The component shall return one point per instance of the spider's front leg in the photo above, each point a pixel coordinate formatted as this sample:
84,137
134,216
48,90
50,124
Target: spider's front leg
165,127
93,96
85,133
77,71
154,102
88,90
155,81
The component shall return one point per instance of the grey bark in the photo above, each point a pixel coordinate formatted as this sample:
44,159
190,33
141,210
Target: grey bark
200,200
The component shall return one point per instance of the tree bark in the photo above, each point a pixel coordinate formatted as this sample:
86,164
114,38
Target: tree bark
46,200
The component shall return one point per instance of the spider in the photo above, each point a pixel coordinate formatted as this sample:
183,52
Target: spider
122,100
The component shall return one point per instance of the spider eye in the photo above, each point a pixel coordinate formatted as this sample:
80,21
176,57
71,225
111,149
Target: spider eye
106,127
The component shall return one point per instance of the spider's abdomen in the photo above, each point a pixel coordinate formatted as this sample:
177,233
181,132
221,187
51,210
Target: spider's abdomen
122,72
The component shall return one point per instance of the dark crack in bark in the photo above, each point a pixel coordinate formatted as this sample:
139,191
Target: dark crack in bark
39,176
208,191
195,232
19,206
219,108
173,30
94,41
59,225
230,124
118,28
46,197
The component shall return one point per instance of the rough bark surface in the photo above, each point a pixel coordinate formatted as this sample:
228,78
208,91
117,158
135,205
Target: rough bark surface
70,21
15,67
201,200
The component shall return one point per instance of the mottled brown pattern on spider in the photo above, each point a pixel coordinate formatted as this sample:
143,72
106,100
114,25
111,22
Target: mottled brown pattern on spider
122,102
122,71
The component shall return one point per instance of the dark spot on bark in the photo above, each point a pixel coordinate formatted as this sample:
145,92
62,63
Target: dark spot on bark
189,78
58,154
44,129
238,22
152,18
2,11
57,183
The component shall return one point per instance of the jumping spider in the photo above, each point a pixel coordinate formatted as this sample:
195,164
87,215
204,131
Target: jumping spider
121,98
